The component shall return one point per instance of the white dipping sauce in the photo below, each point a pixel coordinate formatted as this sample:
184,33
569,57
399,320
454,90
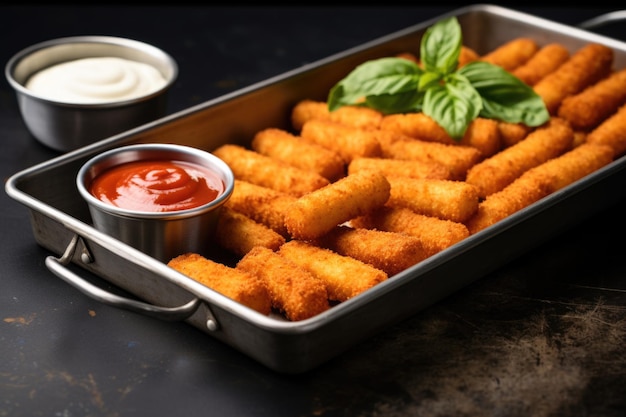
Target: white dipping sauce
96,80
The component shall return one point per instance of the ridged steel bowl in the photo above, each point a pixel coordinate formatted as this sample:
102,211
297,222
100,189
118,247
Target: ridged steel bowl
66,126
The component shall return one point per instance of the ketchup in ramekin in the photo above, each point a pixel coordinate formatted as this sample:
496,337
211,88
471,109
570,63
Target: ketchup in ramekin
160,198
157,186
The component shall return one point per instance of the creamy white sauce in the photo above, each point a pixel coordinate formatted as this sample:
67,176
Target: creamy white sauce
96,80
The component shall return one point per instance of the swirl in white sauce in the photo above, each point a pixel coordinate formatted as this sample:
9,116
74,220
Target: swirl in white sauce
96,80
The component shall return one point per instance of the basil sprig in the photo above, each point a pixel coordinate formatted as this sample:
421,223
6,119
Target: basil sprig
451,96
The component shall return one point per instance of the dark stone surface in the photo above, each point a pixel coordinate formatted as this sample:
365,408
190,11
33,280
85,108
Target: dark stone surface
542,336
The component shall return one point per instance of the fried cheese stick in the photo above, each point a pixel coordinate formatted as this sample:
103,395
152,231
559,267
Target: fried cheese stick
282,145
482,134
457,158
316,213
543,62
434,233
253,167
261,204
611,132
585,67
241,286
355,116
238,233
511,133
345,277
348,141
590,107
538,182
400,167
512,54
546,142
445,199
388,251
522,192
292,289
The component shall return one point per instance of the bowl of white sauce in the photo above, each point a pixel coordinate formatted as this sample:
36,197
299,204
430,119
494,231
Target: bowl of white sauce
75,91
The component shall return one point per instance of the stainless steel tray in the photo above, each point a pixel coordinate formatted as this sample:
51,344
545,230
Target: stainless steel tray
61,222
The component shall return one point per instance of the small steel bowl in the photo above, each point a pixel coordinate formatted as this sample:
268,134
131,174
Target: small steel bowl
65,126
162,235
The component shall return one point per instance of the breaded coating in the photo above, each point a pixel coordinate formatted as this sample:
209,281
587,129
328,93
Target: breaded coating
574,164
355,116
400,168
261,204
590,107
546,60
434,233
524,191
482,134
348,141
611,132
292,289
295,151
345,277
498,171
409,56
445,199
238,233
511,133
238,285
512,54
538,182
457,158
586,66
251,166
467,55
316,213
388,251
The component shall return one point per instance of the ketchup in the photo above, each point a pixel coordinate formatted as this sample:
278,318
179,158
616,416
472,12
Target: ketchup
157,186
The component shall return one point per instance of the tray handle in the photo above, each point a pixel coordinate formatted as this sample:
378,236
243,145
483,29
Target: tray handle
57,267
603,19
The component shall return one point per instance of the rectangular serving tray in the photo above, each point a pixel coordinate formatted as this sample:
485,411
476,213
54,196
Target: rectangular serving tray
61,222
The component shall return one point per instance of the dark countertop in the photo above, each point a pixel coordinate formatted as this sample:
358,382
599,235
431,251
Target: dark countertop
541,336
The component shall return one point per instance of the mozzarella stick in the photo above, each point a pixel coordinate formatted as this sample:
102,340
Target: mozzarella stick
238,233
348,141
590,107
355,116
388,251
445,199
482,134
546,60
498,171
316,213
241,286
511,133
400,168
457,158
283,146
251,166
467,55
261,204
611,132
524,191
345,277
293,290
574,165
512,54
434,233
585,67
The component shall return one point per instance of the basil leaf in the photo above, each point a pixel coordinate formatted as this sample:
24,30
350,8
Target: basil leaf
411,101
453,105
376,77
505,96
440,47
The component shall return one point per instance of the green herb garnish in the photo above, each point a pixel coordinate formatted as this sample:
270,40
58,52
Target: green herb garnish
451,96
